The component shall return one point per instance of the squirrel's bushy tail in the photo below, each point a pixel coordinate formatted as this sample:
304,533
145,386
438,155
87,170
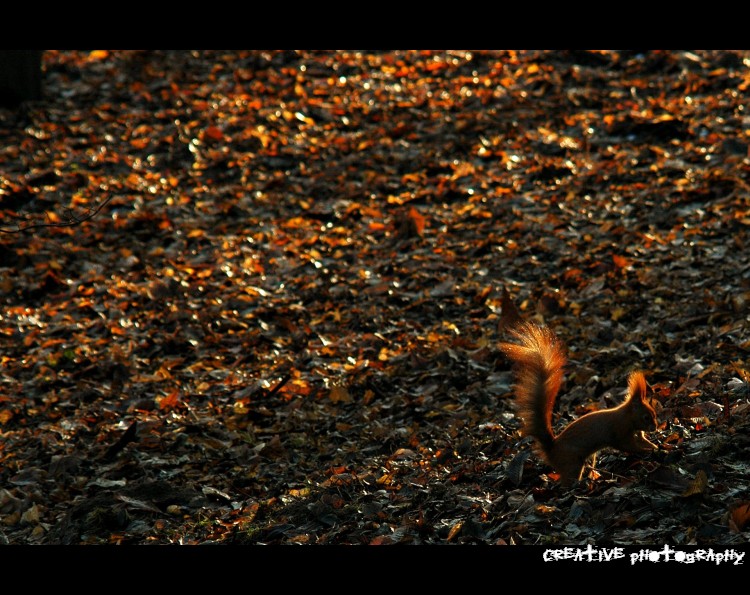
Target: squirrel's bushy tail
539,359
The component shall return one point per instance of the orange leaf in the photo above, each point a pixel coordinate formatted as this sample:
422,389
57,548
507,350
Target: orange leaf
620,261
740,516
139,143
455,530
418,219
214,133
116,329
368,396
169,401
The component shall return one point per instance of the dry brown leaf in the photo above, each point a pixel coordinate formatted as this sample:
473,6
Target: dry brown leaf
739,517
698,485
339,394
455,530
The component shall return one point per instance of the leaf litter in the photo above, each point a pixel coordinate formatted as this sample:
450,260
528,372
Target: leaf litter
281,325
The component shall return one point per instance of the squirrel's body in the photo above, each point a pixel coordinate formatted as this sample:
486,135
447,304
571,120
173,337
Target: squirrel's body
540,359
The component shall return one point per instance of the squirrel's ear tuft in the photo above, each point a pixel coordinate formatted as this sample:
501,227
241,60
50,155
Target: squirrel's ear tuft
637,386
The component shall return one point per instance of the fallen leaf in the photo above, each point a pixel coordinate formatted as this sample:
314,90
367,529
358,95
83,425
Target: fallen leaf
698,485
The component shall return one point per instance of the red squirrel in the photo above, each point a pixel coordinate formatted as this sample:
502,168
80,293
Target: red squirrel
539,358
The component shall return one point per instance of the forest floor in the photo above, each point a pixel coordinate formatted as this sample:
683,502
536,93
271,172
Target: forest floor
279,321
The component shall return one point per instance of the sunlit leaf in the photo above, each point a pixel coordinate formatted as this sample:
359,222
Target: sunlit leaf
418,219
168,401
620,261
455,530
213,132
